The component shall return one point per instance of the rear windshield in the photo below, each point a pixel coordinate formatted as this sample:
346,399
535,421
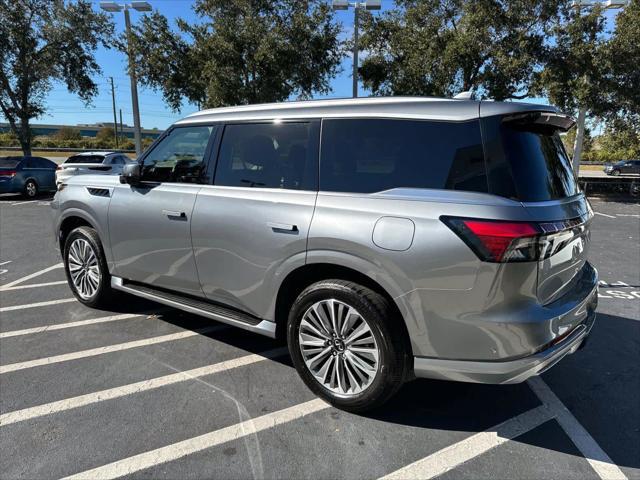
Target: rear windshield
9,162
372,155
85,159
526,162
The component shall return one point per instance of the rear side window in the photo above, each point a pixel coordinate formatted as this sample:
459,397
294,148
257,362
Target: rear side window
269,155
541,167
372,155
10,162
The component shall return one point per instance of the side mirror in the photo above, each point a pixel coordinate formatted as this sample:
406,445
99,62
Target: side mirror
131,174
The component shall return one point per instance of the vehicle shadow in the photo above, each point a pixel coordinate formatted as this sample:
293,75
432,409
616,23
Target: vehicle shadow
600,385
18,197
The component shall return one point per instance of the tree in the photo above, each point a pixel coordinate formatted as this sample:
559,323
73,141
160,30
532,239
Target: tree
106,135
242,52
622,54
68,133
433,47
42,41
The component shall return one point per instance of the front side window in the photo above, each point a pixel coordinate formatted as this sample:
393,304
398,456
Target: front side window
373,155
179,157
268,155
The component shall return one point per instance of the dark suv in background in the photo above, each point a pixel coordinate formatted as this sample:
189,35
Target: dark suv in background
622,167
27,175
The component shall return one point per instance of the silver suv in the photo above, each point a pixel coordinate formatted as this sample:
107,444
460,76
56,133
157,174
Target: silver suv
385,238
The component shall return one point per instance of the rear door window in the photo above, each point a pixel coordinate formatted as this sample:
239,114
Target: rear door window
373,155
269,155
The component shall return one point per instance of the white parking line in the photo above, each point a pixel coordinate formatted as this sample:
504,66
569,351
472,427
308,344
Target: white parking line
33,285
4,263
137,387
38,362
181,449
33,275
454,455
61,326
15,204
597,458
35,305
604,215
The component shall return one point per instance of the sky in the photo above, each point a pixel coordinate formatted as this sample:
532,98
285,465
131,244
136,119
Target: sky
65,108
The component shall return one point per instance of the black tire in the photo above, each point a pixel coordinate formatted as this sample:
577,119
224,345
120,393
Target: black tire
615,173
30,189
393,365
103,293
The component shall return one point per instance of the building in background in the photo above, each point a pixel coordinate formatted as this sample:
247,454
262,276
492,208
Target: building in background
85,129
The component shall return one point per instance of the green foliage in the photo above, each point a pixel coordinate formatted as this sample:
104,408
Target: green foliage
42,41
242,51
8,139
68,133
622,56
575,70
433,47
106,134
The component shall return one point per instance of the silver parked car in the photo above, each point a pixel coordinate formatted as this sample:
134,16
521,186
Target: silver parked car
385,238
106,163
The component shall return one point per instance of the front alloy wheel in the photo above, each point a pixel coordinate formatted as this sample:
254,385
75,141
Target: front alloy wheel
338,347
84,268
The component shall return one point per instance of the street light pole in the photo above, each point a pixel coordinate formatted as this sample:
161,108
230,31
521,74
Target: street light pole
582,111
344,5
141,7
115,120
356,25
137,134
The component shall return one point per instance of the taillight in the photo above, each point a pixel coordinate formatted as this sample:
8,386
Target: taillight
501,241
60,167
8,173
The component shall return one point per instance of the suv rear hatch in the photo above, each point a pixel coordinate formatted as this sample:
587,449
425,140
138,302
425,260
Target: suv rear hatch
82,164
526,160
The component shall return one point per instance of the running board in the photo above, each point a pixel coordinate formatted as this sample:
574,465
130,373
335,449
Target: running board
196,306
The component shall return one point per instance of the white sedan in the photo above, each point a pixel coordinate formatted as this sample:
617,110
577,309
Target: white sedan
106,163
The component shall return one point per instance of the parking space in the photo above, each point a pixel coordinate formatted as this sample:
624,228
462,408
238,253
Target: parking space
145,391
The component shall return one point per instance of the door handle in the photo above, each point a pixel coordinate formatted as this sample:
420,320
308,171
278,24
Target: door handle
283,227
174,214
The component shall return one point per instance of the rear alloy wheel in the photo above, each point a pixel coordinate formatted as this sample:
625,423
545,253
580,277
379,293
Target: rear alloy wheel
86,268
346,343
338,347
30,189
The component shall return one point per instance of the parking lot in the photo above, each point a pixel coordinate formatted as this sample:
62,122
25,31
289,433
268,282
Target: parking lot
150,392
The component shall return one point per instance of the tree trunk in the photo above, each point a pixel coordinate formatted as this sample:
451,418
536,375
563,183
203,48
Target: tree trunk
577,147
24,136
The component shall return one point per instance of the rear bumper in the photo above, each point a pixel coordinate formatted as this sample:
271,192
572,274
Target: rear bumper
512,371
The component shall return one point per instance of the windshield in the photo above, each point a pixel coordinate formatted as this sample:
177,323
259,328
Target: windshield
85,159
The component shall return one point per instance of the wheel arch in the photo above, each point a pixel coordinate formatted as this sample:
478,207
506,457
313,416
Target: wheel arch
300,278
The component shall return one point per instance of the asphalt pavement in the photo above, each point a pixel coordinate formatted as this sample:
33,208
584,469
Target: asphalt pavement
145,391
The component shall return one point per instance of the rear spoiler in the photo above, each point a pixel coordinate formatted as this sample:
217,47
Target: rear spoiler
551,119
